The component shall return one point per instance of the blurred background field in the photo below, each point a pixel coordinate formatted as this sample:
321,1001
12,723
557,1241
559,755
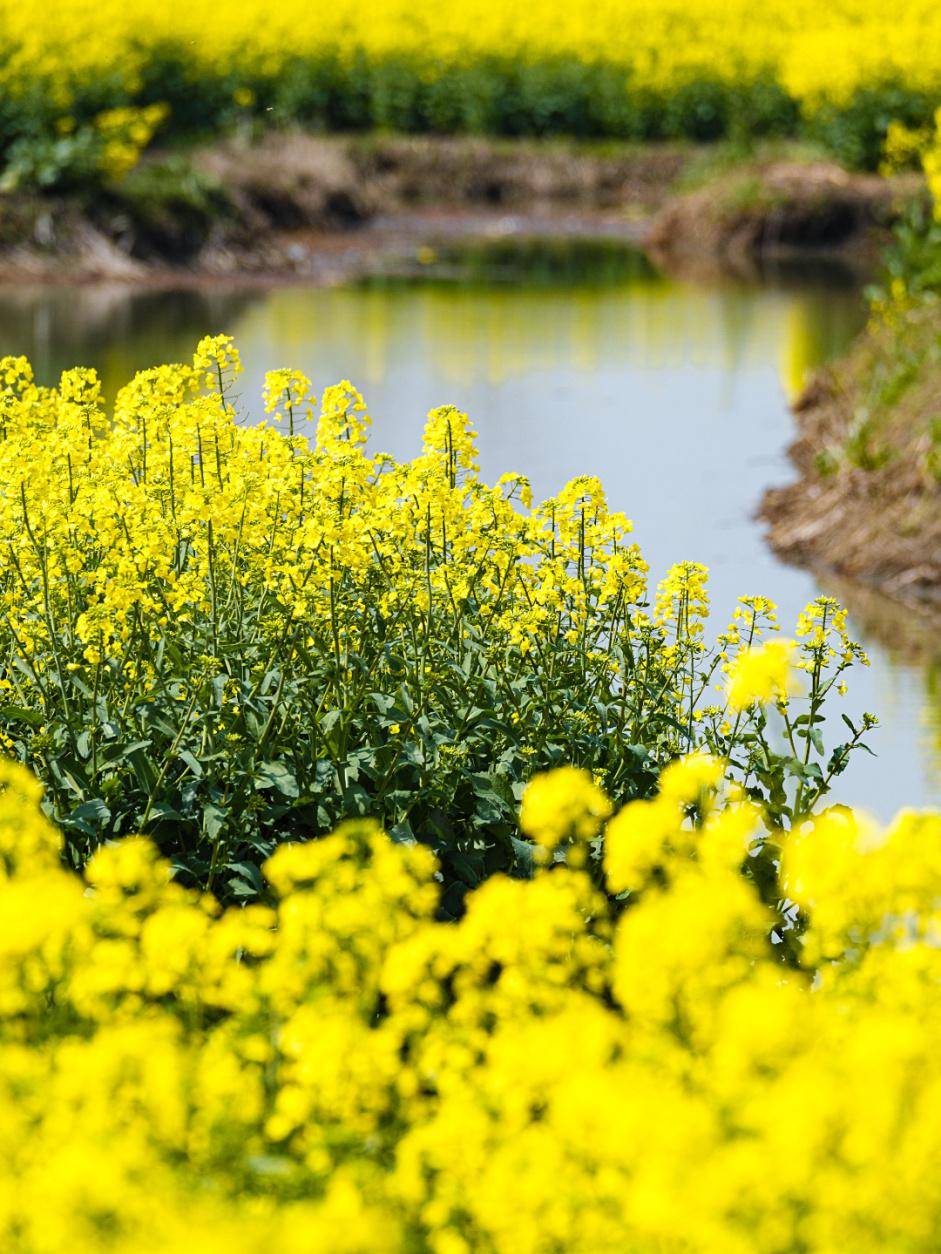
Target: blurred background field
85,85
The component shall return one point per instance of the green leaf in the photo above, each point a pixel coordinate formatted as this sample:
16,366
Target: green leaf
20,714
525,862
163,811
193,763
214,819
127,750
143,770
402,834
278,776
90,816
250,874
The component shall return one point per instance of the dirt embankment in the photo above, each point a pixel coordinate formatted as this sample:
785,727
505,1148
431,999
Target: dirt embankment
867,501
779,208
314,207
309,206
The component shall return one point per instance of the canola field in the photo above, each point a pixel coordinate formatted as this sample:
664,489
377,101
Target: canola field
336,1070
226,636
389,862
641,69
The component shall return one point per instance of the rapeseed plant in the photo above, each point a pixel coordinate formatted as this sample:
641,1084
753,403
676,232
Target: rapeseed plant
225,636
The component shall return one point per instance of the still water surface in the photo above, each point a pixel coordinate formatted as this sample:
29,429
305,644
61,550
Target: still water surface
570,359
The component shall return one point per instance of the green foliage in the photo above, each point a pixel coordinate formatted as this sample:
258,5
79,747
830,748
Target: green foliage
826,463
490,95
855,131
913,260
48,163
72,156
933,456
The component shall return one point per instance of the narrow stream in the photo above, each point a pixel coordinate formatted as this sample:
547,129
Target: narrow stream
571,358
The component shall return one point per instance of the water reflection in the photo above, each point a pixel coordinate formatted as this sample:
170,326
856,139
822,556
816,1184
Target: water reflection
111,326
572,359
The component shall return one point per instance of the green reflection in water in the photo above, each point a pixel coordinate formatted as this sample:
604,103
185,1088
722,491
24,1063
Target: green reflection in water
497,329
504,305
530,263
116,328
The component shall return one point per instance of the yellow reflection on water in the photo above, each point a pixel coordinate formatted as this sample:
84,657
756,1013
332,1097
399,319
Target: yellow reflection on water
502,333
474,329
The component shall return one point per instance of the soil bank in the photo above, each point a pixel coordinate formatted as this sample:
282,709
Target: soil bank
866,504
322,209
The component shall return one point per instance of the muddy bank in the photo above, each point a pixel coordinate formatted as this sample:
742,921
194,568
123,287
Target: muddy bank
322,208
316,207
779,209
867,501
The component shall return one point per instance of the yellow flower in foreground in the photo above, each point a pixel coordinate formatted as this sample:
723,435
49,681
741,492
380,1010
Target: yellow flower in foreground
762,675
341,1070
216,356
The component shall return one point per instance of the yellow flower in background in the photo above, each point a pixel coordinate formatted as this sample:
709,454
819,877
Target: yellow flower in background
125,132
818,57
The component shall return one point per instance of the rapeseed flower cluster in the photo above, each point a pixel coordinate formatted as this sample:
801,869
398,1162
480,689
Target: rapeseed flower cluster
226,635
667,1058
